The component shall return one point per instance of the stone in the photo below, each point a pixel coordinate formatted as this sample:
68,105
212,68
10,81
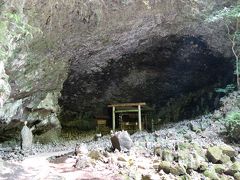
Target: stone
146,177
237,176
165,166
156,165
122,141
225,177
238,157
122,158
203,166
158,151
234,168
210,173
188,136
26,137
191,160
95,155
225,158
217,115
214,154
81,149
219,168
82,162
195,127
167,155
186,177
184,145
228,150
177,169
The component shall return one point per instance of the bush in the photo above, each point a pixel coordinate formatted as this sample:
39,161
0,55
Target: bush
232,123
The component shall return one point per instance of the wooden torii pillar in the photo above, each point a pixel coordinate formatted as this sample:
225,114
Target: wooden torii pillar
138,110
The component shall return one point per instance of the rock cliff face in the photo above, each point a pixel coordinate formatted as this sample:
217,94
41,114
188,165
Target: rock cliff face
107,51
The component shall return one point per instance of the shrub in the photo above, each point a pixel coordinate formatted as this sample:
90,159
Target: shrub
232,123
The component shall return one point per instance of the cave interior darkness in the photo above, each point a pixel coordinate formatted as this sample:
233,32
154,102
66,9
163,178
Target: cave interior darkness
176,76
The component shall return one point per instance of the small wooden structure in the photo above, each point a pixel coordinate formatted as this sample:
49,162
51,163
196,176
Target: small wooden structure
127,108
101,125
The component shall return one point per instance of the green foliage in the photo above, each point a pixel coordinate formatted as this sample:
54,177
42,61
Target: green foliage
231,18
226,14
229,88
232,123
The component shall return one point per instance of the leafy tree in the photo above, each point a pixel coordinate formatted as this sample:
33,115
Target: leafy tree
231,18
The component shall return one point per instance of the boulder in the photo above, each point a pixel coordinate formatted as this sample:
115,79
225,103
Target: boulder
95,155
234,168
219,168
167,155
214,154
158,151
195,127
156,165
122,141
191,160
81,149
177,169
210,173
217,115
165,166
82,162
225,177
225,158
237,176
203,166
122,158
228,150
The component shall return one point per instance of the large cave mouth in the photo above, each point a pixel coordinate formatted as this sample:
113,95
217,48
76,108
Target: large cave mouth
176,76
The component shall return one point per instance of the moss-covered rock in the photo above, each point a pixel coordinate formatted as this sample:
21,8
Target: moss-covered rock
237,176
190,159
228,150
210,173
177,169
167,155
214,154
219,168
225,159
234,168
165,166
203,166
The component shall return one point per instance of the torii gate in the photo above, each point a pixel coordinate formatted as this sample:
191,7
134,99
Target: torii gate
127,105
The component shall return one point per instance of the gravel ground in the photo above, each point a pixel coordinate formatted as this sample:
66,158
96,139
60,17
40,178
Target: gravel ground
205,133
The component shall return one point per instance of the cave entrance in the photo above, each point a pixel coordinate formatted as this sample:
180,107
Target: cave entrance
177,76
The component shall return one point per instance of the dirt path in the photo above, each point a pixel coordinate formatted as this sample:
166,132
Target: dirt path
38,167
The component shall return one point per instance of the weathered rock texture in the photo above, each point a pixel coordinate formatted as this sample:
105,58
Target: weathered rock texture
110,49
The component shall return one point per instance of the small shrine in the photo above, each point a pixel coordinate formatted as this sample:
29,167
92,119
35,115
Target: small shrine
128,110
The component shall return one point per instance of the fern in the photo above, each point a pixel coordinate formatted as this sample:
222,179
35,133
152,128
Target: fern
229,88
232,123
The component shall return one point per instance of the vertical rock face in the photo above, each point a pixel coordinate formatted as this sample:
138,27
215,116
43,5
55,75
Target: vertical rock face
31,78
106,50
5,88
